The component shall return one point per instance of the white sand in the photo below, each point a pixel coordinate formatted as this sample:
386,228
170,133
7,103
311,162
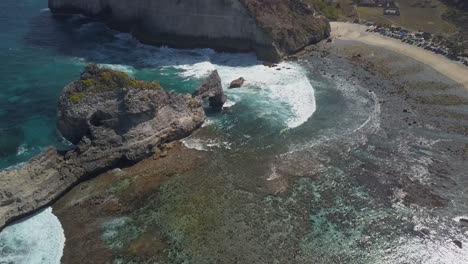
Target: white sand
356,32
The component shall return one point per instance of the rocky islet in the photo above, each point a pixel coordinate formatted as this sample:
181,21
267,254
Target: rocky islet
113,120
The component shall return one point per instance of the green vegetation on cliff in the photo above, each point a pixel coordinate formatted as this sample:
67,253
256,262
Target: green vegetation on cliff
95,80
328,10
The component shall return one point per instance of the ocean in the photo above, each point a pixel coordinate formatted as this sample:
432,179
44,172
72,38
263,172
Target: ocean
287,118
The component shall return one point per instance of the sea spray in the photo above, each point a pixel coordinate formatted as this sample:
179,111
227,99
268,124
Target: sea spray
38,239
284,91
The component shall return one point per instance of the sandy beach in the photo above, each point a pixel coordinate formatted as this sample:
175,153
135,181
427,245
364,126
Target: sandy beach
443,65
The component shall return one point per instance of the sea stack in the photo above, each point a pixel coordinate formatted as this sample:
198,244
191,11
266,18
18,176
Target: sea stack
270,28
212,89
113,120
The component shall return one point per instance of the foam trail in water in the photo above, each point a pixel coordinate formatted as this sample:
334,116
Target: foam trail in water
291,95
286,82
36,240
205,144
117,67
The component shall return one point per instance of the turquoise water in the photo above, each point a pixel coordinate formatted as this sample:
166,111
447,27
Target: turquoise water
288,128
31,78
40,55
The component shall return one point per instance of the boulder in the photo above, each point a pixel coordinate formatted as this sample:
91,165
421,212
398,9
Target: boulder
113,120
212,89
464,222
237,83
458,243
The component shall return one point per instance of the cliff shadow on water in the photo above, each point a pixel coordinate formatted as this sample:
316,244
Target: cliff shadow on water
91,40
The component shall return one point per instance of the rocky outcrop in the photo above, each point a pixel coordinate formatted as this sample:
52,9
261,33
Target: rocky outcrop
461,4
212,89
237,83
112,119
271,28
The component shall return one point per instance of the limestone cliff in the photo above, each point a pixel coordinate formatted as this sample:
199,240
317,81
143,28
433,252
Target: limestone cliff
271,28
113,120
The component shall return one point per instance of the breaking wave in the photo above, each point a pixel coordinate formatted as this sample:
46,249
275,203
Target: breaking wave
38,239
285,85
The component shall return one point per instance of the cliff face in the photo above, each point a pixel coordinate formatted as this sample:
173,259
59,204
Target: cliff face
112,119
272,28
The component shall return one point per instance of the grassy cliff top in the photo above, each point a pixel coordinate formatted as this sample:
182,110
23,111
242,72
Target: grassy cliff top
95,80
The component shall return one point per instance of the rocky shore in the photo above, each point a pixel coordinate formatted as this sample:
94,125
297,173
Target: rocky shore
272,29
127,213
112,120
113,201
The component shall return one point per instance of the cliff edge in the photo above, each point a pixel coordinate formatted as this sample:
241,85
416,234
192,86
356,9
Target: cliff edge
113,120
271,28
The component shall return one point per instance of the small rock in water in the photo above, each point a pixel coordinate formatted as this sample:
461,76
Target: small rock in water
425,231
464,222
269,64
212,89
458,243
237,83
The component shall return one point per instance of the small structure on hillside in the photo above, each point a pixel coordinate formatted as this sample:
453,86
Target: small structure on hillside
391,8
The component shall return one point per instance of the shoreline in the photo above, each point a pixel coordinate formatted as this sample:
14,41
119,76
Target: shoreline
133,194
127,202
356,32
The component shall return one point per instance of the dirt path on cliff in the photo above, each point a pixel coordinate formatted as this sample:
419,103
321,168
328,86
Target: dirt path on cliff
450,69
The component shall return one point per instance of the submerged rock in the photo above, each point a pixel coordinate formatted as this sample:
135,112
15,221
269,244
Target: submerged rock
212,89
237,83
464,222
10,141
458,243
112,119
272,29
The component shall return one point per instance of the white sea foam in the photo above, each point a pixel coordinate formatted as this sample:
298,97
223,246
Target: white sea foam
118,67
287,83
229,103
16,166
21,150
36,240
428,251
205,144
458,218
208,122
